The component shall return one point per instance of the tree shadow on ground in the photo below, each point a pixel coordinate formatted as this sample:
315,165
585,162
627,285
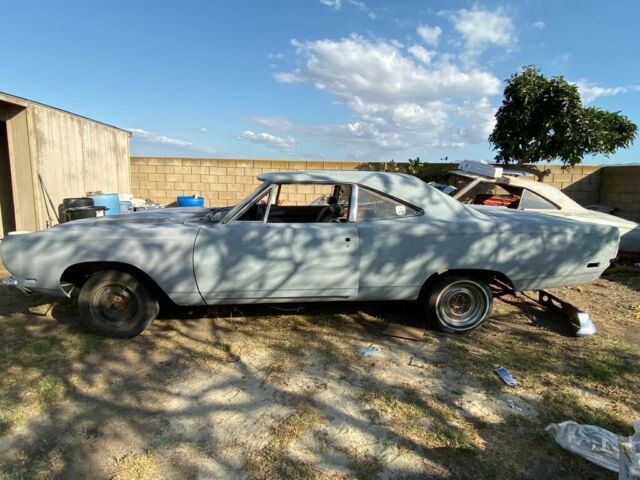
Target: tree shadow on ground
263,390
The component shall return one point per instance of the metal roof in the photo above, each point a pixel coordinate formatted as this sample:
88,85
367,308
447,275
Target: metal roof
7,97
399,185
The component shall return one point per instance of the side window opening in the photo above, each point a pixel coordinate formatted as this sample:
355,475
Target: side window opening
534,201
376,206
486,193
310,203
257,210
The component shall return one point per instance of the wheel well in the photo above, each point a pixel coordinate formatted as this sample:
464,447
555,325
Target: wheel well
489,276
78,274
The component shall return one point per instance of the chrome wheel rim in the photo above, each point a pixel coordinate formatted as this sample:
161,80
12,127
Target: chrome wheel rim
462,304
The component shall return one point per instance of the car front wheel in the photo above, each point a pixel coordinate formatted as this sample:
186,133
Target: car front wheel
459,304
116,304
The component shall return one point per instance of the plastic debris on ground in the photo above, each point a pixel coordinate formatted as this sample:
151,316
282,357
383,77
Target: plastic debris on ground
600,446
505,376
369,351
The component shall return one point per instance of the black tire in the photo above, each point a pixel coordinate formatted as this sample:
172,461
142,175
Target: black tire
77,202
459,304
116,304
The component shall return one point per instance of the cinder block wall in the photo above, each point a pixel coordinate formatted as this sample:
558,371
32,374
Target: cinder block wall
582,183
621,190
220,182
224,182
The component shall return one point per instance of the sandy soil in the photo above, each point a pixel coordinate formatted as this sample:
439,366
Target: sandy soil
270,392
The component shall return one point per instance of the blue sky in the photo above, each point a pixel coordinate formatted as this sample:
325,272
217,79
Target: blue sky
314,79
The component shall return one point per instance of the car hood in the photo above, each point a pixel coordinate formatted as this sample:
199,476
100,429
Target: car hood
158,216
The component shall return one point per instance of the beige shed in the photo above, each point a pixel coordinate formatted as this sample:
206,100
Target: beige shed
71,153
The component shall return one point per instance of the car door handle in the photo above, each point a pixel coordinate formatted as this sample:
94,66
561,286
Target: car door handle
348,239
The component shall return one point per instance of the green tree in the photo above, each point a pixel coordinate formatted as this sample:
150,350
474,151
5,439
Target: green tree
543,119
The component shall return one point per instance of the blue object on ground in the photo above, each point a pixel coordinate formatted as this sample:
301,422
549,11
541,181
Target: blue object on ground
190,201
369,351
505,376
110,201
126,206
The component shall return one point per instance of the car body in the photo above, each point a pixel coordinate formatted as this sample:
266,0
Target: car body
384,236
522,192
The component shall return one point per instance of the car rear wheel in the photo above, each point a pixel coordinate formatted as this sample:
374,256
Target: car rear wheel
116,304
459,304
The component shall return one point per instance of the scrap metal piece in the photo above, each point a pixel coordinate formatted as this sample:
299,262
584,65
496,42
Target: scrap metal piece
505,376
582,320
403,331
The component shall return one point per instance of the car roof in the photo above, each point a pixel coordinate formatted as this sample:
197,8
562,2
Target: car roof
545,190
399,185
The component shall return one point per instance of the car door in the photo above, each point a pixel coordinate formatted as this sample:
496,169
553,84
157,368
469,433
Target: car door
253,261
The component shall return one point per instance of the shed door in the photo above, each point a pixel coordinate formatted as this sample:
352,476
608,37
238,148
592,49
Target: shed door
7,216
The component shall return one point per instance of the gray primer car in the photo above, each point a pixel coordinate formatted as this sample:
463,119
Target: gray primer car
534,196
380,236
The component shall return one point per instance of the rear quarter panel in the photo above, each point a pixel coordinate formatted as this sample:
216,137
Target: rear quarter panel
397,256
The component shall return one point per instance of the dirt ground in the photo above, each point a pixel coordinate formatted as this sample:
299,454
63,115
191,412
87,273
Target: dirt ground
282,392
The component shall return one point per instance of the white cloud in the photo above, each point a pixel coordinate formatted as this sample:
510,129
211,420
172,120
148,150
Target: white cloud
397,102
279,123
589,91
421,53
332,3
364,8
539,25
144,142
288,77
286,144
481,28
154,137
355,67
203,130
561,60
429,35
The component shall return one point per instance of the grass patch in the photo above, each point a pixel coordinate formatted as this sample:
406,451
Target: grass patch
363,466
49,390
283,357
563,405
287,349
35,366
604,368
295,425
137,466
423,420
271,463
274,461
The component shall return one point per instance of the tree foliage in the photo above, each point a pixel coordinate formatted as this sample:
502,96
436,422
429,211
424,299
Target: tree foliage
543,119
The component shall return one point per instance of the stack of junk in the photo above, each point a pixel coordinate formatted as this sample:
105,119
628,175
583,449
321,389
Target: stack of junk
98,204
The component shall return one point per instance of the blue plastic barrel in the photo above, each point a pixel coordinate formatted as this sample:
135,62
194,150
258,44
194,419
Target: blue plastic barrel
190,201
126,206
107,200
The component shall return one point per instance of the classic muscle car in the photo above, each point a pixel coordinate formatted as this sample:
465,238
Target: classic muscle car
308,236
522,192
